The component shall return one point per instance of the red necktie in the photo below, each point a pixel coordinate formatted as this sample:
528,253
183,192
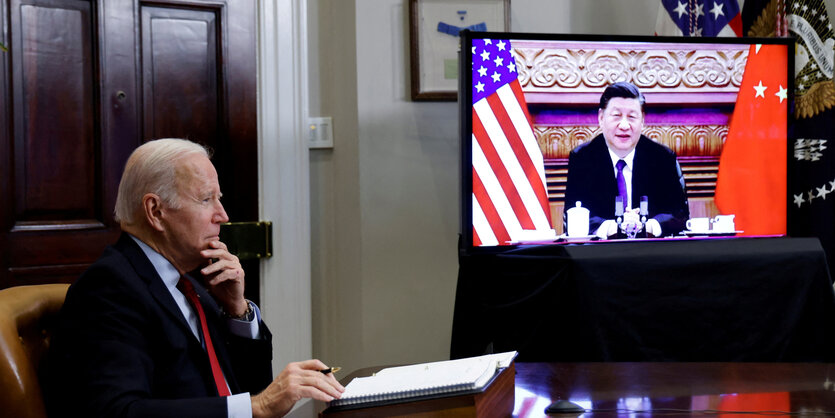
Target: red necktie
187,288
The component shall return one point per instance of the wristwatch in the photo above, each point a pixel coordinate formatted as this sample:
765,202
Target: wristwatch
249,315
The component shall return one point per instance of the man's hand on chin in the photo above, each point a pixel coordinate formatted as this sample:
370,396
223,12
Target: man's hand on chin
225,278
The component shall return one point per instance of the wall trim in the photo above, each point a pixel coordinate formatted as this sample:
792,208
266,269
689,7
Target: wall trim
284,183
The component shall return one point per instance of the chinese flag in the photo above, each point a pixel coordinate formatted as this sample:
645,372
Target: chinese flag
751,183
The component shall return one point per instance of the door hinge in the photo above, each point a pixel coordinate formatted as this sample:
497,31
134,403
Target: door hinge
248,240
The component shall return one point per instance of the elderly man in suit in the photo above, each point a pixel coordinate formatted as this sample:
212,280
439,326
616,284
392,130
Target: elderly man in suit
159,326
621,162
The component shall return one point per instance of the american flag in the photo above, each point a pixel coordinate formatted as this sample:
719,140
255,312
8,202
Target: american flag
699,18
510,202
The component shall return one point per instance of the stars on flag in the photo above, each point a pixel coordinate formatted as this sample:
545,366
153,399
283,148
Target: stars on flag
760,90
690,19
821,14
700,10
822,192
495,66
782,93
809,196
717,10
681,9
811,150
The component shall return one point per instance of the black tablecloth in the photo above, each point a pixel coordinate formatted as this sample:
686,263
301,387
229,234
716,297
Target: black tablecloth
742,299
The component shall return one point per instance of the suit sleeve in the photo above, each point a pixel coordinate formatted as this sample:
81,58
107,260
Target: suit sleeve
577,189
251,360
107,356
675,209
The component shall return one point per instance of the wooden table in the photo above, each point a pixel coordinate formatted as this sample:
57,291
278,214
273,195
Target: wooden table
676,389
669,389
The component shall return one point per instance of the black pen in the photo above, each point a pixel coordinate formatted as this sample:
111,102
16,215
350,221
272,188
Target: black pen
331,370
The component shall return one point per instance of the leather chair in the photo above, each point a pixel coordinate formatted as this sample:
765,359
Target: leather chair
27,317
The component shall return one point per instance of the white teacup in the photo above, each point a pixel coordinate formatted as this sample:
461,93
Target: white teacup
578,221
724,223
698,224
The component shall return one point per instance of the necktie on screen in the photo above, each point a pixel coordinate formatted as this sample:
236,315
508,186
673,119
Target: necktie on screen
622,183
187,288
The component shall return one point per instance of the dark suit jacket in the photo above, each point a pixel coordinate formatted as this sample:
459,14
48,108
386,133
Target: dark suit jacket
655,174
123,347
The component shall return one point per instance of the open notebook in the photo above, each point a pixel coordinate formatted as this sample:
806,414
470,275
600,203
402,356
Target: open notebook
418,380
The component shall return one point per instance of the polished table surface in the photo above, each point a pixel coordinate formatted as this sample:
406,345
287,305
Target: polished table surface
670,389
677,389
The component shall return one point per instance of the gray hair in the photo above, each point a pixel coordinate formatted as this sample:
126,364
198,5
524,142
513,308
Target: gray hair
152,168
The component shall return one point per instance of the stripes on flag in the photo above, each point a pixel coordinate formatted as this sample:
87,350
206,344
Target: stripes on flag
510,200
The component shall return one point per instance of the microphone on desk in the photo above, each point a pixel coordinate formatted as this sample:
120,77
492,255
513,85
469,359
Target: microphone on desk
619,209
644,212
618,215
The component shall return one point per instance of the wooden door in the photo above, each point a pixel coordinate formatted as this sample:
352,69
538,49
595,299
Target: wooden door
86,82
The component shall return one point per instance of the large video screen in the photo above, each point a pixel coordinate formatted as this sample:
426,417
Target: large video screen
571,138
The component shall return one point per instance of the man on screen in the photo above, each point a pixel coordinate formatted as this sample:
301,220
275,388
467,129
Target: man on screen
622,163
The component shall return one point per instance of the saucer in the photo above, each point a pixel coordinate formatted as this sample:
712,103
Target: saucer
710,233
564,237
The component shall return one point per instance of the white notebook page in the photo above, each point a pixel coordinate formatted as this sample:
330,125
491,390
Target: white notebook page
425,379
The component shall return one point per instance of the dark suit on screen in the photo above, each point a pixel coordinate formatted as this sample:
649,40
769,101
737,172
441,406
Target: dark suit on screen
123,347
655,174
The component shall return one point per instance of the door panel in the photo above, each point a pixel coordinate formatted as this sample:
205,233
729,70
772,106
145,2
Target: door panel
83,84
180,72
198,82
54,161
55,218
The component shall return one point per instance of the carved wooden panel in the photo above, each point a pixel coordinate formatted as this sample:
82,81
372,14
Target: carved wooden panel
685,140
583,69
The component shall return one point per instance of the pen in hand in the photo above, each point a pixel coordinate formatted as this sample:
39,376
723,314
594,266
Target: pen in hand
331,370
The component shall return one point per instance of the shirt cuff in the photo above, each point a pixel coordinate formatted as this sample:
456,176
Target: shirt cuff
239,405
654,227
247,329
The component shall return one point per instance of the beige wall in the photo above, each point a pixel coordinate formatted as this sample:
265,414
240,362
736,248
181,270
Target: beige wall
384,200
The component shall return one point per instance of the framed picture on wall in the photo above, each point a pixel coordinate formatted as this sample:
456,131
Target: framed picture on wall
433,28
